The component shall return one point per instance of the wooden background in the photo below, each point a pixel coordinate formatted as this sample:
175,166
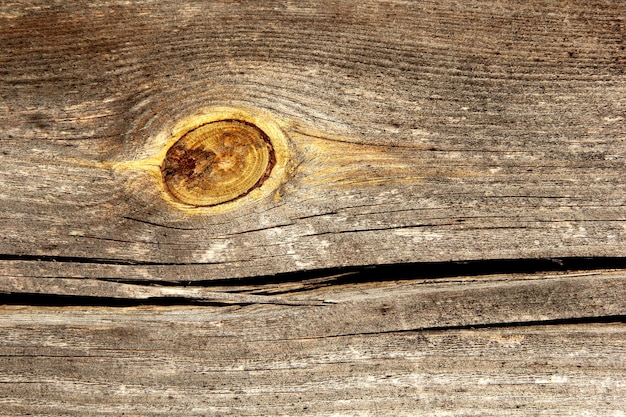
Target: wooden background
447,237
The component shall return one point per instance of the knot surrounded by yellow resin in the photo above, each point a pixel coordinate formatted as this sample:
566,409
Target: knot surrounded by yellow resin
218,162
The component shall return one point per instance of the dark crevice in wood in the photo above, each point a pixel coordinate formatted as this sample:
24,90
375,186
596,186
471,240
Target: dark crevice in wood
158,224
614,319
260,229
86,260
409,271
378,229
330,213
53,300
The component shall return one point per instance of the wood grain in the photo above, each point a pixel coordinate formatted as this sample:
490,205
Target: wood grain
405,348
417,132
405,133
563,370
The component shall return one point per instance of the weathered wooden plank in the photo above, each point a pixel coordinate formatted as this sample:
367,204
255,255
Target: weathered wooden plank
416,131
369,307
221,361
400,132
327,346
559,370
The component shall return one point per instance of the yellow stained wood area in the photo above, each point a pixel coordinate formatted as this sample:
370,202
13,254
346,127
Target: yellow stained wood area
218,162
297,152
262,165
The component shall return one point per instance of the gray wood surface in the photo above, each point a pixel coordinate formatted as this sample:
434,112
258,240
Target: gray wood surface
473,151
418,131
495,345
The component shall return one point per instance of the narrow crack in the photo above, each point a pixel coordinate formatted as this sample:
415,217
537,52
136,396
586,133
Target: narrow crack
614,319
88,260
406,271
65,300
274,286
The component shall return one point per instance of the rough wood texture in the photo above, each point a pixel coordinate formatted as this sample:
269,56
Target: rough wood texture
418,131
395,348
409,133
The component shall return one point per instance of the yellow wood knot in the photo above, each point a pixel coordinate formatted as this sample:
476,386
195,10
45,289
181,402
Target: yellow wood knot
218,162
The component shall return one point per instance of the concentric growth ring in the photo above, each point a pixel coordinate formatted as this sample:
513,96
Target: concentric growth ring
218,162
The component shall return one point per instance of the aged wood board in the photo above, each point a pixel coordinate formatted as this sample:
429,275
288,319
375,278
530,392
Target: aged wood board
538,344
432,222
417,131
